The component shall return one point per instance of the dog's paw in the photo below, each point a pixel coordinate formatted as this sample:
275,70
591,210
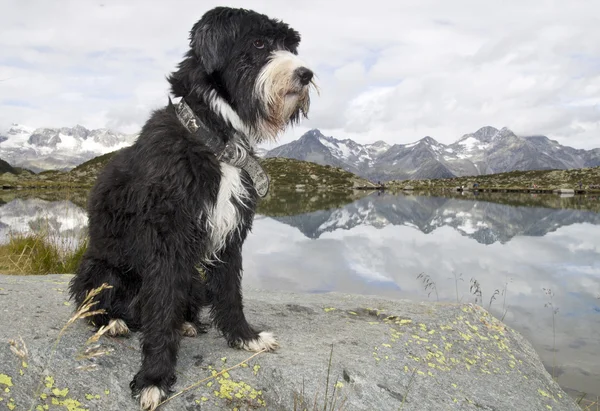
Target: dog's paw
189,330
151,397
265,341
117,327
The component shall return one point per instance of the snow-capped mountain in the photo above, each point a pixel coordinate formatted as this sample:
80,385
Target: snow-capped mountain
347,154
486,151
58,148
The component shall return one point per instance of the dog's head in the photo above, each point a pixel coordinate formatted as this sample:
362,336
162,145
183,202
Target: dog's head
246,66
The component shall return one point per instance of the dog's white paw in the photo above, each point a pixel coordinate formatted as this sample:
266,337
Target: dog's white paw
265,341
189,330
117,327
150,397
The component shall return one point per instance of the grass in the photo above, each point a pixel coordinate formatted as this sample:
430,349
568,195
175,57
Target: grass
37,254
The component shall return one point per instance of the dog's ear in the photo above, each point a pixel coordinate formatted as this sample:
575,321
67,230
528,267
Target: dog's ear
213,37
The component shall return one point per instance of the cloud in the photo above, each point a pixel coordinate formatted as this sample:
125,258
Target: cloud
388,70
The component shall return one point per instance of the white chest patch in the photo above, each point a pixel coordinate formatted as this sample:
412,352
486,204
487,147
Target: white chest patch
223,218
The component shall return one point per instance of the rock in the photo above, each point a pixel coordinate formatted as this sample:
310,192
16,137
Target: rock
408,188
387,355
564,191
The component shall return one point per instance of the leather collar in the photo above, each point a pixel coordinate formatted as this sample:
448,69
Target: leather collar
235,152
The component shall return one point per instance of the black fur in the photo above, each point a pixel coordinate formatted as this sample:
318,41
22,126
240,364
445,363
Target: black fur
146,233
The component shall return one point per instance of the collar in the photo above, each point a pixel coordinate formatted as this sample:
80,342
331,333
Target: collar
235,152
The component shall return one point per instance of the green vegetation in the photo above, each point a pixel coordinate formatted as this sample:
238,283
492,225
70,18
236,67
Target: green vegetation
303,175
38,254
299,187
283,172
542,179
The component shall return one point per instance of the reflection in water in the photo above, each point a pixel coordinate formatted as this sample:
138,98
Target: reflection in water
379,244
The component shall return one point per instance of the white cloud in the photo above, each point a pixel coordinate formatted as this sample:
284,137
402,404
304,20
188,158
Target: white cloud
395,71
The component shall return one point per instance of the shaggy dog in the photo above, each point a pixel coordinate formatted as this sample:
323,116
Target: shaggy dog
169,214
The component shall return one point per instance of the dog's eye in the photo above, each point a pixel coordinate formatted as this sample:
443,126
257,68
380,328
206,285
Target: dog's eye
259,44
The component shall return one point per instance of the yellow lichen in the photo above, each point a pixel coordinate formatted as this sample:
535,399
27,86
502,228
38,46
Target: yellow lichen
60,393
70,404
543,393
328,309
49,381
230,390
6,380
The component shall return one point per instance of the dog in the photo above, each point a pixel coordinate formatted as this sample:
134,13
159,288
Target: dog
169,214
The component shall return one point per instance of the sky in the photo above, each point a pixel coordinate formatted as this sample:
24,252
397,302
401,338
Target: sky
388,70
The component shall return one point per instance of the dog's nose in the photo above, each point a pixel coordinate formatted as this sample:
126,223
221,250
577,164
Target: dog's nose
304,75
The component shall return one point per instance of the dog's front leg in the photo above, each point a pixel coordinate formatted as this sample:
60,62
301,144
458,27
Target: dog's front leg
162,308
225,294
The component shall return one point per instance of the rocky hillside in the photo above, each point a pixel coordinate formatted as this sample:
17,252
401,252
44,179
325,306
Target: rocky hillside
285,174
543,179
486,151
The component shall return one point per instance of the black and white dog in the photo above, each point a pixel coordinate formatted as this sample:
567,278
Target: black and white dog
169,214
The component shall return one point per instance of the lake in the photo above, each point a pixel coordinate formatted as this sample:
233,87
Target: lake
532,260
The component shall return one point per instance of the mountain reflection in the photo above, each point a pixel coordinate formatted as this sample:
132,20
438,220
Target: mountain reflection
479,218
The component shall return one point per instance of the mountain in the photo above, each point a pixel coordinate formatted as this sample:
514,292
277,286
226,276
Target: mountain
347,154
486,151
58,148
62,148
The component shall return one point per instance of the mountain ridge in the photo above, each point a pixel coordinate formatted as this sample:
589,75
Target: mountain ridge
486,151
60,148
